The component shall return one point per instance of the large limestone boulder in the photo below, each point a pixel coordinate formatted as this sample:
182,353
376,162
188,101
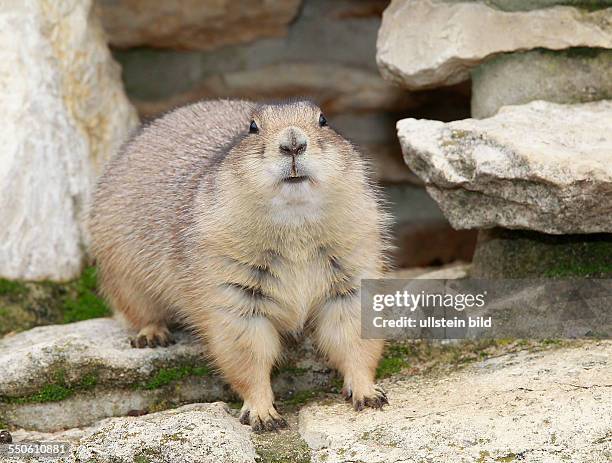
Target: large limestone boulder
63,114
65,376
186,24
550,406
429,43
540,166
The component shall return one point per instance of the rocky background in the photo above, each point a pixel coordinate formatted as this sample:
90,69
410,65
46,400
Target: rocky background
523,188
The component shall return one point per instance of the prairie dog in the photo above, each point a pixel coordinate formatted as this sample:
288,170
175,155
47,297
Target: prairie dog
246,222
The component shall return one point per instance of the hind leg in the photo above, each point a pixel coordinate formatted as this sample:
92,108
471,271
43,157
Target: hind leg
145,314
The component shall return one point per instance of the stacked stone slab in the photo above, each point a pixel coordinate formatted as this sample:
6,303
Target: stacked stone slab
66,376
534,177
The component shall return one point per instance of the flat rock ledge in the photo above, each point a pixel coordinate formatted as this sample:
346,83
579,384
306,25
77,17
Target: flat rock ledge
202,433
66,376
552,406
418,48
540,166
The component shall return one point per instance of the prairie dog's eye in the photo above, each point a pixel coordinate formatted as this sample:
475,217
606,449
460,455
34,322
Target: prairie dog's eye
253,127
322,121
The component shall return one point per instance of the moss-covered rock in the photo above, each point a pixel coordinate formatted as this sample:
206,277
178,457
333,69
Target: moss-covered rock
575,75
72,375
502,253
24,305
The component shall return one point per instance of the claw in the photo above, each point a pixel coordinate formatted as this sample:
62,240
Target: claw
270,423
147,338
245,417
376,400
139,342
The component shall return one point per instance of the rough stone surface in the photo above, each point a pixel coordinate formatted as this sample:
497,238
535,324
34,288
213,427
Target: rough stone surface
540,166
200,25
575,76
429,43
552,406
63,114
64,376
524,254
328,53
197,432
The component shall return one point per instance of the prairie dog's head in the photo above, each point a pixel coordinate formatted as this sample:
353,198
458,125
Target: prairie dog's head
293,159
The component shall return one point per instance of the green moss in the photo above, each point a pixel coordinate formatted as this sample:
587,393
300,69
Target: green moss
504,253
575,269
57,389
295,451
165,376
390,366
507,458
14,288
84,303
302,397
24,305
393,360
177,437
286,446
337,383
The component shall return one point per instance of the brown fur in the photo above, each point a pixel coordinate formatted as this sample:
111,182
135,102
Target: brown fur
193,221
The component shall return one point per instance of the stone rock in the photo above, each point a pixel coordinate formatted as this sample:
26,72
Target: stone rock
540,166
197,432
430,43
549,406
574,76
65,376
185,24
502,253
63,114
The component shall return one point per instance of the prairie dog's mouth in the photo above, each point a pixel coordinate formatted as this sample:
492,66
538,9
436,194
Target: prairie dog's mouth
296,179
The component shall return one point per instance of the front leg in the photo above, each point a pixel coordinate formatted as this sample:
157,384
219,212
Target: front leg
338,335
245,348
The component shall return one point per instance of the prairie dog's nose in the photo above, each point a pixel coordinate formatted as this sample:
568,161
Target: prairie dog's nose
292,142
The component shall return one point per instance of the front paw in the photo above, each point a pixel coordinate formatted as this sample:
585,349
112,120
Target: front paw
374,397
262,419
